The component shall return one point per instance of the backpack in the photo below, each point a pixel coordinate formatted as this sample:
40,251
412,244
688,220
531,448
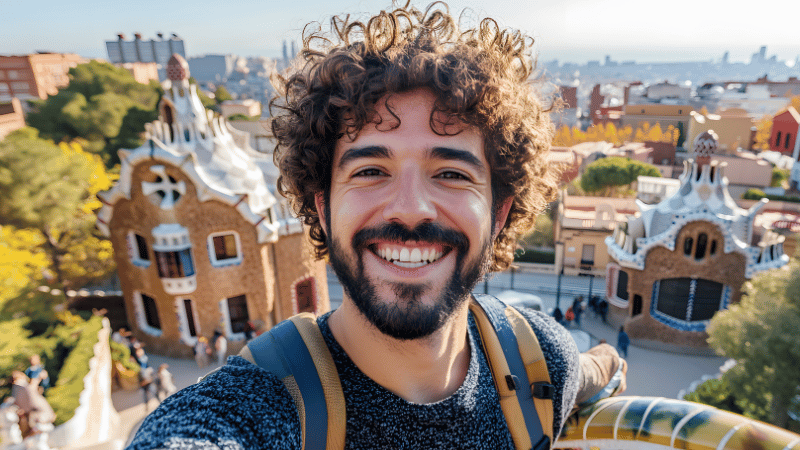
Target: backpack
295,352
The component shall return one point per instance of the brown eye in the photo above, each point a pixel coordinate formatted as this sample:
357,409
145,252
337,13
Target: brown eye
371,172
450,175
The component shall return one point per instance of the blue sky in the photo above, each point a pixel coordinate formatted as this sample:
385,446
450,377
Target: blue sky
568,30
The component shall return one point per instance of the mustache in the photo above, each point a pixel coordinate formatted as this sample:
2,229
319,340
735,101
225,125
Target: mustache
424,232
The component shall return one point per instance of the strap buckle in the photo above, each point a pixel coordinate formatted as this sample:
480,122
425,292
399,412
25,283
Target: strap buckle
542,390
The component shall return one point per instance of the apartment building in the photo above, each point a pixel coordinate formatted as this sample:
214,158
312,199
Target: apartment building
35,76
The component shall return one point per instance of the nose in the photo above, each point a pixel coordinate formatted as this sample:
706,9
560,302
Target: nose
410,202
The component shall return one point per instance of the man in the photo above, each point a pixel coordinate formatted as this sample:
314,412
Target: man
415,153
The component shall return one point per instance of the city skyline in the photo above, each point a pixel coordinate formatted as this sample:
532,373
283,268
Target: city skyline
568,31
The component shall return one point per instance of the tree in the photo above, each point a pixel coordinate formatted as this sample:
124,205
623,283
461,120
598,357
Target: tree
22,260
760,334
103,105
52,189
606,175
542,233
763,131
222,94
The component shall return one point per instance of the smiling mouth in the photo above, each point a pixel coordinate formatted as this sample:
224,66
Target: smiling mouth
409,257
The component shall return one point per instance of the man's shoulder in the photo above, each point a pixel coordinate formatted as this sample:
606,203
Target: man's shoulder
238,406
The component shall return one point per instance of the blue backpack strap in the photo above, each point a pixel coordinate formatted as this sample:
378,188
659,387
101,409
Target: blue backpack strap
283,352
495,311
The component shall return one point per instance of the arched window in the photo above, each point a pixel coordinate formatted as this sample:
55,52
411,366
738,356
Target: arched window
700,249
687,246
622,285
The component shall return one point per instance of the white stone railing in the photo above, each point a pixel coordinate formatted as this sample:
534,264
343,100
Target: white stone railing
95,418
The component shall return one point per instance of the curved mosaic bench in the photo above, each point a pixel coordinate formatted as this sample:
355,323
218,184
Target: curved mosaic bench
660,423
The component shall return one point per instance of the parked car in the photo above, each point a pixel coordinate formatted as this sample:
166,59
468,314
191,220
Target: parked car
516,298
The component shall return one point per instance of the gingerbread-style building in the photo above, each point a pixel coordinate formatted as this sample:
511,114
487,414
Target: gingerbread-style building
680,261
201,240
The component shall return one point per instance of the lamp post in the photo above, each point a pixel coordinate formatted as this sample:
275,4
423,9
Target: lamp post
558,289
559,266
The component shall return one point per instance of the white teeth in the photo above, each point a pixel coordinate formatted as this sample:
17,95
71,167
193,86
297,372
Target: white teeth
404,257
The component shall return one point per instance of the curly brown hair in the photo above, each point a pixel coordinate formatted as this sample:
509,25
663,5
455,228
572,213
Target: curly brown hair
479,76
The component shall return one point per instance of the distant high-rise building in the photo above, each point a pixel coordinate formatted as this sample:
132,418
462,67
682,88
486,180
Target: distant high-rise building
138,50
213,68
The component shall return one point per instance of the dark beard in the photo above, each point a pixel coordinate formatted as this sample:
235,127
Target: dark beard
408,318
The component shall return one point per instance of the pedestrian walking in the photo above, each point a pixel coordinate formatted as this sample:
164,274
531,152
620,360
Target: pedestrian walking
623,340
577,308
558,315
220,347
147,378
569,317
165,385
603,309
141,357
37,374
202,352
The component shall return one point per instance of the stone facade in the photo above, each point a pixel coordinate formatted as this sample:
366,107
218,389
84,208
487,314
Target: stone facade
201,241
680,261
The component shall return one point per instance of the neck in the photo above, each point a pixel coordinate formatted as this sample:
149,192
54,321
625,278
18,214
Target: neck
419,371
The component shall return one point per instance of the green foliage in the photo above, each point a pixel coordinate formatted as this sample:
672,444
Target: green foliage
244,117
41,186
22,261
64,396
541,235
760,334
122,354
779,176
758,194
65,348
51,189
103,105
607,174
719,393
222,94
208,102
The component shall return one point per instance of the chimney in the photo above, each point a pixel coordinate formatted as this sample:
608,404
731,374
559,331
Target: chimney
121,37
137,36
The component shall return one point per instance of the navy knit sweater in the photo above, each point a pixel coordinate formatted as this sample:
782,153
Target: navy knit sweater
243,407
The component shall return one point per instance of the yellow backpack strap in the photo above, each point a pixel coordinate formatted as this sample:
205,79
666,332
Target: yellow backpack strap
295,352
519,371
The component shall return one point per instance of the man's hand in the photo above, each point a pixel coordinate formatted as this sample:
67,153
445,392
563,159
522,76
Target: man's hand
602,375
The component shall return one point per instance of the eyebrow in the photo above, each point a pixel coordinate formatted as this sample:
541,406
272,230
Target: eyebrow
457,155
372,151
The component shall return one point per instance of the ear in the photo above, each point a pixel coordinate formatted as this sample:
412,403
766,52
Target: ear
501,216
319,202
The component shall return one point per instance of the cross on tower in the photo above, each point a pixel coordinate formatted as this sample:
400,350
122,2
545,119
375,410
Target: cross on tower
165,186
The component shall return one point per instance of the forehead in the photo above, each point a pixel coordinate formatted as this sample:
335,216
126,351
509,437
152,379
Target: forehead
406,122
